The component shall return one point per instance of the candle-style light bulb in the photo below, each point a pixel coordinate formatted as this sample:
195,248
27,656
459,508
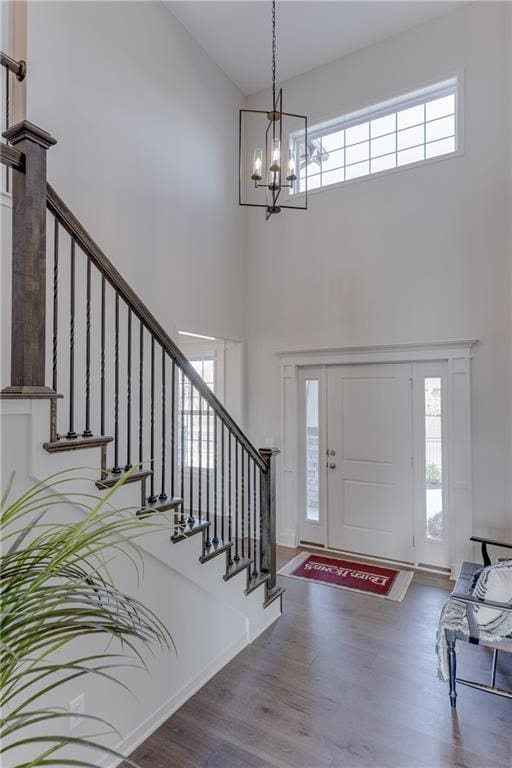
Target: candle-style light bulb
275,156
273,180
291,166
257,165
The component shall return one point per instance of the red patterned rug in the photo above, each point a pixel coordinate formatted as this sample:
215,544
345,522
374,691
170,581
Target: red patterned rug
390,583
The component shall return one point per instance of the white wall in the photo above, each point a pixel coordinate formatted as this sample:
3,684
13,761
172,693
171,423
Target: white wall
421,255
146,126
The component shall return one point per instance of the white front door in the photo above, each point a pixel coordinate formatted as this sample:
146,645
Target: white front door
370,498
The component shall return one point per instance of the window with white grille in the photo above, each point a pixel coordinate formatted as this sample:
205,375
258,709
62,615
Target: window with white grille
407,130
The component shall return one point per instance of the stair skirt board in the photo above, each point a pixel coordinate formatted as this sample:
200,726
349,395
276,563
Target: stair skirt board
165,710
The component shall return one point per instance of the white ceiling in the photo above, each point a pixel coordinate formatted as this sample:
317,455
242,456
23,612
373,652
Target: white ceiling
237,35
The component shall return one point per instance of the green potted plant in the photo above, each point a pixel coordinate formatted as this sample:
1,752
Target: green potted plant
55,588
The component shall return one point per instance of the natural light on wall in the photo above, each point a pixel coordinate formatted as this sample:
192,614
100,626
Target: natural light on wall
403,131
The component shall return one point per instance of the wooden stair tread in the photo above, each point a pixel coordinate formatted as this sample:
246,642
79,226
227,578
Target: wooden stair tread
215,549
111,479
237,567
76,443
185,531
273,594
256,581
160,505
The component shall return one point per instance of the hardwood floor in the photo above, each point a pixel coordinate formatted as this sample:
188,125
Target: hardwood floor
342,680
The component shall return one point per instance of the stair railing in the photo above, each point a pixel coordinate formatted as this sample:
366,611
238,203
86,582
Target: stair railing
11,68
127,387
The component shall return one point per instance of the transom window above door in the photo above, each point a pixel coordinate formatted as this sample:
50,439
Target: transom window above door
400,132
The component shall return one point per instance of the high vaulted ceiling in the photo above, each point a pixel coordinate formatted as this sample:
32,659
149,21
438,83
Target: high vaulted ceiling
237,35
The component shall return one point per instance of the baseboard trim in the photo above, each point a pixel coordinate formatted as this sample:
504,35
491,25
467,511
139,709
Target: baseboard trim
165,710
287,539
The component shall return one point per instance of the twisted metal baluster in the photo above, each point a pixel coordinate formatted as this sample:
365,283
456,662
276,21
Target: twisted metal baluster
87,431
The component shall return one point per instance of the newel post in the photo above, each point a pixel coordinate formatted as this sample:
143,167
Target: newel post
28,312
268,515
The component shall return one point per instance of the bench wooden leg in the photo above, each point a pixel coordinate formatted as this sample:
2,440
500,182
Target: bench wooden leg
452,668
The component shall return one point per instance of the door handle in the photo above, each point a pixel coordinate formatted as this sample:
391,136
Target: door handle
332,466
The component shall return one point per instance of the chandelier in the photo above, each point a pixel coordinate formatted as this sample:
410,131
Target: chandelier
272,144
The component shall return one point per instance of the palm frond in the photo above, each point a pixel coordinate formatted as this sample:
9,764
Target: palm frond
56,588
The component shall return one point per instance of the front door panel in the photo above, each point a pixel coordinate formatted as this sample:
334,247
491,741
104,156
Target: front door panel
369,475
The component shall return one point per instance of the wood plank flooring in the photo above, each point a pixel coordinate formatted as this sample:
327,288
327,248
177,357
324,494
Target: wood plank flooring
342,680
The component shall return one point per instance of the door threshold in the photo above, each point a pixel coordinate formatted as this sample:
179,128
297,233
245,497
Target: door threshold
423,567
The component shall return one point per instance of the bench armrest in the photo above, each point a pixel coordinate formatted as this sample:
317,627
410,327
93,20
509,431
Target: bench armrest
484,542
466,598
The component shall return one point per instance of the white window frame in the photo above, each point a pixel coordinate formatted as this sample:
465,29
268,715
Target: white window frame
452,84
204,349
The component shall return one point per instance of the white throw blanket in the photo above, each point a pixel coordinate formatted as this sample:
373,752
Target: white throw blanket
493,625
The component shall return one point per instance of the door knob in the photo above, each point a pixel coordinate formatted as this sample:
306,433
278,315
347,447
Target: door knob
332,466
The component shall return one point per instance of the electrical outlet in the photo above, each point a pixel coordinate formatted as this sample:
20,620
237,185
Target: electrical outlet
76,708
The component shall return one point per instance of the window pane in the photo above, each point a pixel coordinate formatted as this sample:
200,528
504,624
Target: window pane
357,133
440,107
383,125
195,417
411,137
384,145
411,155
357,153
312,451
411,116
441,128
332,160
353,171
333,177
383,163
333,141
433,459
440,147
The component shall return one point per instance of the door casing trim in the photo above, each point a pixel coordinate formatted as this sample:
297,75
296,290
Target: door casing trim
458,356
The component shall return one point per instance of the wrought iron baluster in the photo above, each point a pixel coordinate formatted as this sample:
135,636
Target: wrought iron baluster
173,425
182,447
141,392
163,494
222,476
152,497
254,553
230,495
261,527
129,394
102,357
191,454
55,302
215,479
237,510
200,462
116,470
249,542
208,469
242,483
87,431
71,431
7,120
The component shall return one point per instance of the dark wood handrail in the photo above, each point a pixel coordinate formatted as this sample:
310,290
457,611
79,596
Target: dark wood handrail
19,68
71,224
12,157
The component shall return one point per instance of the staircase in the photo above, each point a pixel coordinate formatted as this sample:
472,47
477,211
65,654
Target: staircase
120,385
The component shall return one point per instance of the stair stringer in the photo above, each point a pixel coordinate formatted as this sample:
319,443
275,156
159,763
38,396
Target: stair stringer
208,634
181,557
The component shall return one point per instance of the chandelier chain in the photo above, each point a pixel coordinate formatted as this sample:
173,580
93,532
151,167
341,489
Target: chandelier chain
274,50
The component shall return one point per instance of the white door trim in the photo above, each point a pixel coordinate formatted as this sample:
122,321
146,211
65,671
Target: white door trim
458,356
